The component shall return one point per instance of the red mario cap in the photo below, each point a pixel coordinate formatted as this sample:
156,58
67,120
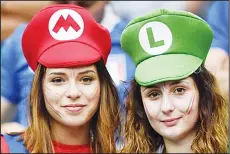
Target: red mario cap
65,35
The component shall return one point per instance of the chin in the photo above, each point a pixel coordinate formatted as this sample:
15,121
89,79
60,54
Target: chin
172,136
171,133
175,134
73,123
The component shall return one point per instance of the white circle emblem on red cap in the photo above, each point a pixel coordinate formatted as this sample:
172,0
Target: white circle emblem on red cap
66,24
155,38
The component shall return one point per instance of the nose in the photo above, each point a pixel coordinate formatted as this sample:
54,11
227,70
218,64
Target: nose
73,92
167,105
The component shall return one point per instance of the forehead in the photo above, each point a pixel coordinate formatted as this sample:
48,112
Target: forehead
75,69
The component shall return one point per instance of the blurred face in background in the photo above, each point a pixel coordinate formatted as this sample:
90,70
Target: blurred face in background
71,94
96,8
172,107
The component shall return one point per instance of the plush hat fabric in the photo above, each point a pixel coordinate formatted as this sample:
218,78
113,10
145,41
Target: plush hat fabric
166,45
65,35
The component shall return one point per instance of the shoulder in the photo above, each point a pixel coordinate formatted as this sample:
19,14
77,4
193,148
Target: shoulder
218,11
13,42
122,24
19,30
219,5
217,18
118,29
12,144
12,51
17,34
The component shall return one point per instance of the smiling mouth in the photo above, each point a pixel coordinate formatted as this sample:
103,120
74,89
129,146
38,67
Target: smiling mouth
74,107
171,122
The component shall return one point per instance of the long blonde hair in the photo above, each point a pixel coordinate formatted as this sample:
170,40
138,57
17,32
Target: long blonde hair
104,124
212,126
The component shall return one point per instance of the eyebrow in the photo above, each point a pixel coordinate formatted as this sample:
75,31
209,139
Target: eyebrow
178,82
173,83
87,71
83,72
57,73
153,86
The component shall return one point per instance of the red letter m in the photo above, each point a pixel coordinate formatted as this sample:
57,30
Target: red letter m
66,24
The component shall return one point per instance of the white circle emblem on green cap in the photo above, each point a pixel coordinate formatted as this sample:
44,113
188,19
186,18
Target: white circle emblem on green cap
155,38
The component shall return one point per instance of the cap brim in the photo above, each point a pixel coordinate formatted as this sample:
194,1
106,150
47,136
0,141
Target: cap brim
69,54
166,68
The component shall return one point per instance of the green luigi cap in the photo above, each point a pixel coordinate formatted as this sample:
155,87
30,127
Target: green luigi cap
166,45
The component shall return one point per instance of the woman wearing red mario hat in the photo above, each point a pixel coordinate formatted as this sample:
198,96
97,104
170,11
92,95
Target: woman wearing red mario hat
73,101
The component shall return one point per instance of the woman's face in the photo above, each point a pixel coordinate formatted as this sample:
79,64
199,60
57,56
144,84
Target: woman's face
72,94
172,107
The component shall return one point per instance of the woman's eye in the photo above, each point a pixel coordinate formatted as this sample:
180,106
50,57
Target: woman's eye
154,95
179,90
57,80
86,80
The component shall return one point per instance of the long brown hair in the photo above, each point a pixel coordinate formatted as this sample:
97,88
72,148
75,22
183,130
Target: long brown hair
104,124
212,127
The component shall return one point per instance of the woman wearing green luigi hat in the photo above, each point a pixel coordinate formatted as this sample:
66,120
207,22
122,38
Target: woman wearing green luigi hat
174,104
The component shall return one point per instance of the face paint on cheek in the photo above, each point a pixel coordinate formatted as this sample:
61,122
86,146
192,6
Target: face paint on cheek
146,109
51,92
95,92
48,92
190,104
152,109
95,95
55,111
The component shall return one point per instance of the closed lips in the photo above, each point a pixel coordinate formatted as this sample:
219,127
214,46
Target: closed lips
74,105
169,120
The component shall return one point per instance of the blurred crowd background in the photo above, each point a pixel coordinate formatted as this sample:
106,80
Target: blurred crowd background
16,76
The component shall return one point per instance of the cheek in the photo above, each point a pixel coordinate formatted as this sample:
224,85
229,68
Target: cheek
194,107
151,108
91,93
53,95
192,115
184,104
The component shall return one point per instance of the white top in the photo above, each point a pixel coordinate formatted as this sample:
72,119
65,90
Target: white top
160,149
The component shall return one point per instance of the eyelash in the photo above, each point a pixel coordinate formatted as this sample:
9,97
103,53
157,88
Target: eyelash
86,80
89,79
180,93
57,80
158,94
154,92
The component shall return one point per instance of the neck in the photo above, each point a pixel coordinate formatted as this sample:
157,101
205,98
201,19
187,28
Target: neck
71,135
180,145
